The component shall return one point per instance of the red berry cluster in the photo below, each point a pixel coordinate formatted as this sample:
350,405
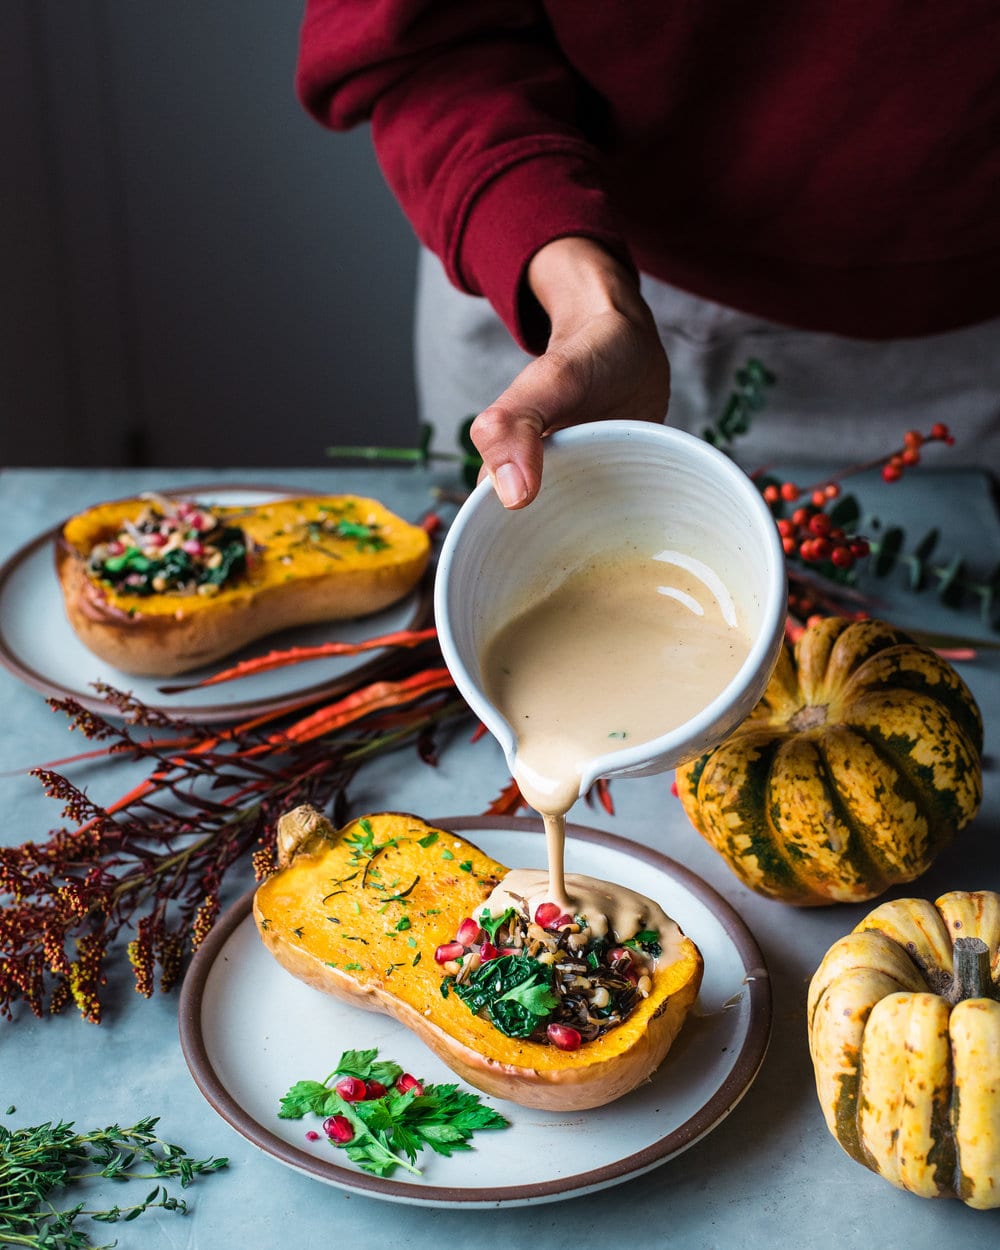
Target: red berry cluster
913,440
811,535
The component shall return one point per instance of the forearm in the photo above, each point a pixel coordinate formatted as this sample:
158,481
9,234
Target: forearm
476,118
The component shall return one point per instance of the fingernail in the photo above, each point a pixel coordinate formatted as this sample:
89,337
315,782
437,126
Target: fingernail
508,482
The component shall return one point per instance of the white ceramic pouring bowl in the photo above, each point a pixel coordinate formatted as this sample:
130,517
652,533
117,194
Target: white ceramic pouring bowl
603,484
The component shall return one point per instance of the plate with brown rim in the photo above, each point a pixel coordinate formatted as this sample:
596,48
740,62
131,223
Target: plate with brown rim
38,645
249,1031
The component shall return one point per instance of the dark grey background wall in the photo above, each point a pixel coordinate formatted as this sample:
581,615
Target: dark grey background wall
193,271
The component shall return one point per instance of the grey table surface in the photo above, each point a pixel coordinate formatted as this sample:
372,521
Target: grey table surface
768,1176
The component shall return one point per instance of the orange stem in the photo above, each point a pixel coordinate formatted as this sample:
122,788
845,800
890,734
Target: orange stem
297,655
371,698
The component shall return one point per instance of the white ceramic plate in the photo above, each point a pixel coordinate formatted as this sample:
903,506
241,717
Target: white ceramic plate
249,1031
38,645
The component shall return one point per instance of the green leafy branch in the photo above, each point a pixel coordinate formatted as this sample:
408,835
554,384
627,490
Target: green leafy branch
748,397
951,580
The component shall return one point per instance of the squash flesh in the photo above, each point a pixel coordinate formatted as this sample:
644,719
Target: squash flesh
291,579
365,956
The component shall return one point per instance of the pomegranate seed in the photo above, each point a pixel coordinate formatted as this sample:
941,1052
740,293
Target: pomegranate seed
563,1037
619,952
193,547
351,1089
115,548
448,951
468,932
509,950
375,1089
547,914
312,1135
405,1082
156,540
339,1129
487,952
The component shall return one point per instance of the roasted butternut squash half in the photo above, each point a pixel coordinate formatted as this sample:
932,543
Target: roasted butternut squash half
384,914
158,586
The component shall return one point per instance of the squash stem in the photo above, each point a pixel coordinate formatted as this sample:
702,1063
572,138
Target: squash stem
972,978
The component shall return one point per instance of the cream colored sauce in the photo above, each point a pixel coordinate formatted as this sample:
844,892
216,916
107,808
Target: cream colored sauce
608,908
622,651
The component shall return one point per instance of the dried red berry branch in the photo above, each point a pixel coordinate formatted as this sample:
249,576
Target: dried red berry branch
150,868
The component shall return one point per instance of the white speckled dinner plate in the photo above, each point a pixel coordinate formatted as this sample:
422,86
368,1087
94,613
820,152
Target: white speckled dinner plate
39,646
249,1031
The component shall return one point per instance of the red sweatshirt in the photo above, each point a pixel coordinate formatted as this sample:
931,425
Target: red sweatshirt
832,165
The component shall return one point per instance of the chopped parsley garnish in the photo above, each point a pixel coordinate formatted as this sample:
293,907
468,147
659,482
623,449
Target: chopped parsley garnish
364,537
647,940
490,924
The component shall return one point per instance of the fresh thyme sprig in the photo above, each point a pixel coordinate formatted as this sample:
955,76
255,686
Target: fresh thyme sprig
37,1162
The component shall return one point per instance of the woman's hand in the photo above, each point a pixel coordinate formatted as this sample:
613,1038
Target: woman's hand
604,360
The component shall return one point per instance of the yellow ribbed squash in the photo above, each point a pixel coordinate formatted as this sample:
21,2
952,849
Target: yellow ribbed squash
904,1034
857,767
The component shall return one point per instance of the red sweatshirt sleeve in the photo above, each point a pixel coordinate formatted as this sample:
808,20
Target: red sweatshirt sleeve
474,116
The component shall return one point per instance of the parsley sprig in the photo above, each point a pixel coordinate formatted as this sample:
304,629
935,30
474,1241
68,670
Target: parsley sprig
390,1131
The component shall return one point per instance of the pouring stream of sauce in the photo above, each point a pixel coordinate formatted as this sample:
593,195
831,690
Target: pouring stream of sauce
623,650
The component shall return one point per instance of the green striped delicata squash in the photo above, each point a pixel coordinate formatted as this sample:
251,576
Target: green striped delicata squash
904,1035
857,767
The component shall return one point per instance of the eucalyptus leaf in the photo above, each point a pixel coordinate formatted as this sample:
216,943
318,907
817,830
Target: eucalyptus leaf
950,581
887,551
